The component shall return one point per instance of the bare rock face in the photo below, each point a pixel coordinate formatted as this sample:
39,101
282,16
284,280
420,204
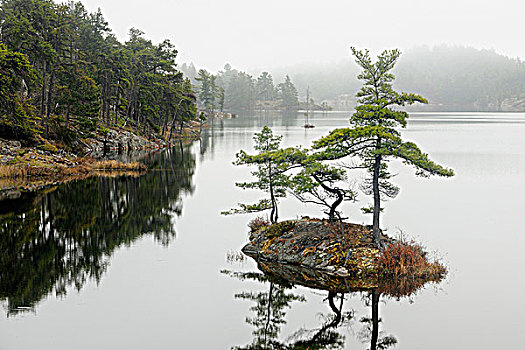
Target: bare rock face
337,248
9,147
123,140
8,150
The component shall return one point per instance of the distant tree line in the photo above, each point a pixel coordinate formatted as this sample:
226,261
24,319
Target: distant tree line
233,90
451,77
61,64
462,78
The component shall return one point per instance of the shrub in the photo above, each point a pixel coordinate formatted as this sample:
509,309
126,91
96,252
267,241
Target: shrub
258,223
47,147
407,258
280,228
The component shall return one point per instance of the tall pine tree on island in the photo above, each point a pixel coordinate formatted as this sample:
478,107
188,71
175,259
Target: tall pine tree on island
374,136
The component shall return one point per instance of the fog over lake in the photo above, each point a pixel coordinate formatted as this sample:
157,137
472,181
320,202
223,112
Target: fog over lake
122,126
265,35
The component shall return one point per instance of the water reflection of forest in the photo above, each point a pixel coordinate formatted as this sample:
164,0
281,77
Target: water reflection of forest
64,237
270,306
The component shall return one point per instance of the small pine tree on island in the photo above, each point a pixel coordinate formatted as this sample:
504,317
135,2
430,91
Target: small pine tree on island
269,174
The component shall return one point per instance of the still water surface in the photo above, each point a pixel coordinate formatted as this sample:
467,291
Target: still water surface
134,263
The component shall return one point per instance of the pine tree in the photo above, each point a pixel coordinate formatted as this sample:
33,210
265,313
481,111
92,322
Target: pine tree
16,115
288,94
374,136
270,174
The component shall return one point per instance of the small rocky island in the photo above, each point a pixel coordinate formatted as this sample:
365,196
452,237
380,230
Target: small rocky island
339,249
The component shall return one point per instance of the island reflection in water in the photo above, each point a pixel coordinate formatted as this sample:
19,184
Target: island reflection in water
65,236
270,307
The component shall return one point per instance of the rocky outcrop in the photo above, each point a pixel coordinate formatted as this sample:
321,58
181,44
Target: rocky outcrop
316,244
115,140
8,150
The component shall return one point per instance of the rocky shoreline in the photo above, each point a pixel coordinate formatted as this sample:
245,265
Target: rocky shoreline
45,163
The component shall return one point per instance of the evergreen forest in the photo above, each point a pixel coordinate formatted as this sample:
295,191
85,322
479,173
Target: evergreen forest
64,75
234,90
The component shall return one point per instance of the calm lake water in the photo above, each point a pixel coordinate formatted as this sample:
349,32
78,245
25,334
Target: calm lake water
136,263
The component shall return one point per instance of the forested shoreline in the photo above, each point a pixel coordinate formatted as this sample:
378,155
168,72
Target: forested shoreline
454,78
65,76
233,90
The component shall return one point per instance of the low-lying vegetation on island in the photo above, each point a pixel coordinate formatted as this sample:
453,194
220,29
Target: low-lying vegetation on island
320,176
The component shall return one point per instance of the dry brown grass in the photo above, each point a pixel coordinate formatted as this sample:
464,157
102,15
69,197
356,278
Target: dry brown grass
257,223
7,171
42,169
115,165
408,258
24,171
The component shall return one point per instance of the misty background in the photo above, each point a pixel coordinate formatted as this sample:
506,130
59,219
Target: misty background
461,55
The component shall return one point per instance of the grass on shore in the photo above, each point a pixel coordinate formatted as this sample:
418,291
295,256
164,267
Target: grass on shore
116,165
24,170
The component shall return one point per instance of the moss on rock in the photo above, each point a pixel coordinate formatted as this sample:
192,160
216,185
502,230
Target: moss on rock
322,245
279,229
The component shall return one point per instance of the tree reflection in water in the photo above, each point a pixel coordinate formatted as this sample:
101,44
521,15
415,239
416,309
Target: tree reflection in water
270,306
370,332
270,313
64,237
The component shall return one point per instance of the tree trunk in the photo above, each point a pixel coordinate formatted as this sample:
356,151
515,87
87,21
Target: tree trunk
138,112
49,101
108,114
108,101
23,91
377,201
172,126
274,215
335,204
116,107
102,113
336,191
164,124
131,101
43,93
269,314
68,111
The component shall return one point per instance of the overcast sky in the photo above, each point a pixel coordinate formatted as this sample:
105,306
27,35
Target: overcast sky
258,34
